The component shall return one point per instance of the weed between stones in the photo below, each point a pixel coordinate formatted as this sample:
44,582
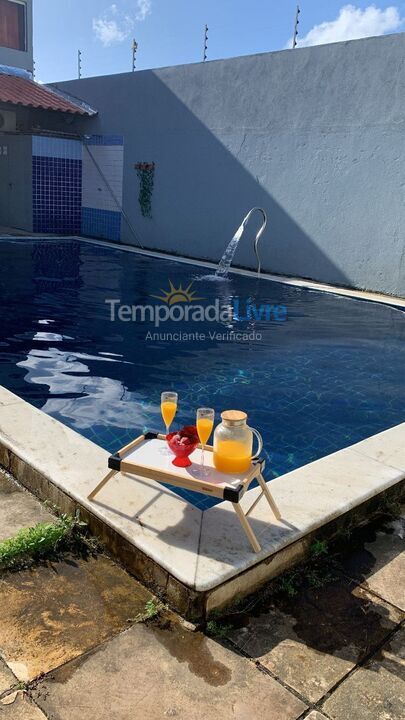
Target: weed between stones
46,541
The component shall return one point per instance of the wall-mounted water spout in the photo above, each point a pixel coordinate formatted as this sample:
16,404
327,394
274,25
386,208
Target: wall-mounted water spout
226,260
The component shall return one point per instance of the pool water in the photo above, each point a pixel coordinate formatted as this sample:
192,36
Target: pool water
327,374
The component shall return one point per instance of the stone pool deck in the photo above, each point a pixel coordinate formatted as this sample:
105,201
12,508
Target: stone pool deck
74,645
198,561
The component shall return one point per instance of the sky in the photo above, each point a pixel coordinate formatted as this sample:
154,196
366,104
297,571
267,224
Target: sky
170,32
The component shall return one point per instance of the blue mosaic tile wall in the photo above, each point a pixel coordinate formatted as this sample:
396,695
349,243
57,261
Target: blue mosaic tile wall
105,140
56,185
98,223
102,191
70,194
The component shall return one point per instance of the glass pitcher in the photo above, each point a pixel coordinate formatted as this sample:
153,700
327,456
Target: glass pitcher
233,442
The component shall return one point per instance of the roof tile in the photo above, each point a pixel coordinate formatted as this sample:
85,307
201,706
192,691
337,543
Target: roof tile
20,91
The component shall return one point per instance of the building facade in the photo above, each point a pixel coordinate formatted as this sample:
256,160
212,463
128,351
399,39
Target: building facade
40,145
16,34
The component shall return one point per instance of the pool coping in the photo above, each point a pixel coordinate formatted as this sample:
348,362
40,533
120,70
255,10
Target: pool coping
367,295
198,559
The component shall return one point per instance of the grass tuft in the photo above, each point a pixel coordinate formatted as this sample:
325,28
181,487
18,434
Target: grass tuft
318,548
217,629
152,609
289,584
43,541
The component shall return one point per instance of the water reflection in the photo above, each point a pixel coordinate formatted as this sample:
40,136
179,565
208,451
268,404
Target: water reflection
87,400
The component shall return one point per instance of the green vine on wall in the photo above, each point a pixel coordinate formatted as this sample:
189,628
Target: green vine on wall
146,173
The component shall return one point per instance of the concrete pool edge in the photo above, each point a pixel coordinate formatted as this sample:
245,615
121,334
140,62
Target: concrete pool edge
198,561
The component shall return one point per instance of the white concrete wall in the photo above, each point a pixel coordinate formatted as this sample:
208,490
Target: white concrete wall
314,135
95,191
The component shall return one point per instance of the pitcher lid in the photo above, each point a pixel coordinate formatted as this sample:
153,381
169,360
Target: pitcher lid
234,417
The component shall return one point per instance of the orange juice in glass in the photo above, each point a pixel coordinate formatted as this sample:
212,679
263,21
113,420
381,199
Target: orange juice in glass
205,423
168,408
204,429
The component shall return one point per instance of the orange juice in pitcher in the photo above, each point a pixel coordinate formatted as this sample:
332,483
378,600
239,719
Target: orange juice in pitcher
233,442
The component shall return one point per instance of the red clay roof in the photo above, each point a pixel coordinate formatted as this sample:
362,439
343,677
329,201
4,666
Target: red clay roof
21,91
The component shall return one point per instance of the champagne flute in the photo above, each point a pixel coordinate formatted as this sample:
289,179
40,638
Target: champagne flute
205,423
168,408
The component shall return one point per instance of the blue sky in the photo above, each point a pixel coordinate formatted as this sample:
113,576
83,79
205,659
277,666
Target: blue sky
170,32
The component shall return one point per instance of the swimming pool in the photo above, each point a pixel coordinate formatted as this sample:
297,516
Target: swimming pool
324,373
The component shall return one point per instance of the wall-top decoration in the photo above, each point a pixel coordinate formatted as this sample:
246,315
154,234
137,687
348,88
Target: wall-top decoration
145,172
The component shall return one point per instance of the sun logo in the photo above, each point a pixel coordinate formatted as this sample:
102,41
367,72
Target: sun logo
177,295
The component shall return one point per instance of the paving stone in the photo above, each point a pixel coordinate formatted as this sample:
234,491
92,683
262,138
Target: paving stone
7,678
22,708
312,641
310,664
375,691
361,618
52,614
18,509
156,672
380,564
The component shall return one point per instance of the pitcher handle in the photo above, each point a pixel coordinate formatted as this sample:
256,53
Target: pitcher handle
260,443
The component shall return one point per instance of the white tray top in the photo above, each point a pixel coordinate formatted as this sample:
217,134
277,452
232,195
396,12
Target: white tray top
152,454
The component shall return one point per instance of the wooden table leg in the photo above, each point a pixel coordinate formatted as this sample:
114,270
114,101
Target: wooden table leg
248,530
253,505
101,484
269,496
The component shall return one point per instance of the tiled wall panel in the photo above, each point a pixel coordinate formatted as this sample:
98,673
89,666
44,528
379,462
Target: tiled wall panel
56,185
77,188
102,163
104,140
104,224
56,147
97,187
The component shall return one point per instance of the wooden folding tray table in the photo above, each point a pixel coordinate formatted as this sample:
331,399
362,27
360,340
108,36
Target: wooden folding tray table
146,456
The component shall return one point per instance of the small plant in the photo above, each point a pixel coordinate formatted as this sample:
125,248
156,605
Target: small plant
216,629
391,507
343,534
239,601
44,540
318,577
20,685
317,571
145,172
318,548
288,584
12,691
152,609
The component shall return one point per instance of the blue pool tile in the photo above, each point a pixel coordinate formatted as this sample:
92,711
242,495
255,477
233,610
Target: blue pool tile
104,140
56,194
105,224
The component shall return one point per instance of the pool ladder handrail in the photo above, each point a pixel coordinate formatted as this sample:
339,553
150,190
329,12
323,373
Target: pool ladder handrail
258,234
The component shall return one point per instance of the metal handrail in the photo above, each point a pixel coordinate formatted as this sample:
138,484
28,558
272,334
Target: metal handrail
258,234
